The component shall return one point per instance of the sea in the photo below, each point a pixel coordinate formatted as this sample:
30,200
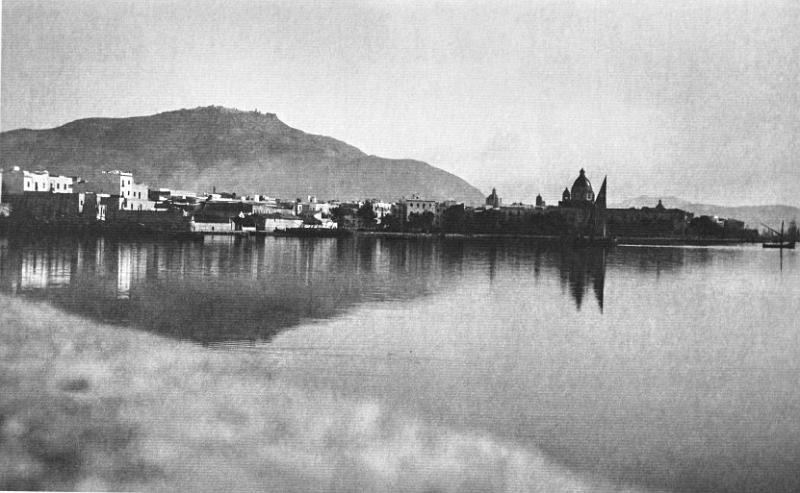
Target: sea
665,368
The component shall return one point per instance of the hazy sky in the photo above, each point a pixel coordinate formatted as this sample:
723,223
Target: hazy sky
697,99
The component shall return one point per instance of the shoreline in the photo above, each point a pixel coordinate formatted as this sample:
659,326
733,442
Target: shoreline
136,233
678,241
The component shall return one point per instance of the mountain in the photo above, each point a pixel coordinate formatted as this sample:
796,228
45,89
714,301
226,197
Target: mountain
232,150
752,215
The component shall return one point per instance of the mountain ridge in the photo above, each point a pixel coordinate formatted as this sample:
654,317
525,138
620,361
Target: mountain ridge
227,149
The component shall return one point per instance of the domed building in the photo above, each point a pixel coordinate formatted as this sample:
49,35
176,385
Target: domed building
580,194
582,189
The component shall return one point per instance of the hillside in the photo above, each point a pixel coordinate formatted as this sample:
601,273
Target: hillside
752,215
244,152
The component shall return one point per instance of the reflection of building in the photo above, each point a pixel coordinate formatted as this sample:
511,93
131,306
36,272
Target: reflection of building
131,267
41,269
582,268
60,268
33,270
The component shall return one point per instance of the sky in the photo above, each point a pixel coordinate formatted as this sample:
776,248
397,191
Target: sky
695,99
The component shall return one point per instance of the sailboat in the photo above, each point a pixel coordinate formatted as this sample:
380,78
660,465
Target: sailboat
780,243
597,227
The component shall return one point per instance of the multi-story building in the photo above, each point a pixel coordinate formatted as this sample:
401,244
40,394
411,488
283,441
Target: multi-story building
59,183
120,186
139,199
17,181
415,205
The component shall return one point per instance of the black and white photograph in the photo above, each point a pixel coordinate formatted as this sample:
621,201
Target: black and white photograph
400,246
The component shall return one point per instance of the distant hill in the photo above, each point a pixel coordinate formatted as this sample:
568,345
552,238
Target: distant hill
752,215
237,151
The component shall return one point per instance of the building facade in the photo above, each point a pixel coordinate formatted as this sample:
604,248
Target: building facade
59,183
17,181
414,205
139,199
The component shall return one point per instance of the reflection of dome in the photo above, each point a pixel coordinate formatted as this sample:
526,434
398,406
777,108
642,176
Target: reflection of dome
582,189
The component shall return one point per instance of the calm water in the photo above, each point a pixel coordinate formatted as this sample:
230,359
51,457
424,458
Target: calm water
672,368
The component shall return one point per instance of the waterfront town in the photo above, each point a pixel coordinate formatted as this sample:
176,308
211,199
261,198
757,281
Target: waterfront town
114,201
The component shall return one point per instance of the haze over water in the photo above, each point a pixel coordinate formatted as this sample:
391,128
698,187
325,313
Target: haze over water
672,368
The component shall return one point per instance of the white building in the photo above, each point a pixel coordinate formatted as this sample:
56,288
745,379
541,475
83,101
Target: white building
138,199
381,209
59,183
17,181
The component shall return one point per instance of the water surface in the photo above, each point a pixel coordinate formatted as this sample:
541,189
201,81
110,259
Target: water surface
670,368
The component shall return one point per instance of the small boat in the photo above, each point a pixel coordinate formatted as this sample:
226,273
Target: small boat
781,243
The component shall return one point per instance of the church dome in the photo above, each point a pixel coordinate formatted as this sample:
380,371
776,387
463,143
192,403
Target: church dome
582,188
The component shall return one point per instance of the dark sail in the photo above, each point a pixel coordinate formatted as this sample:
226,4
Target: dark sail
600,201
599,212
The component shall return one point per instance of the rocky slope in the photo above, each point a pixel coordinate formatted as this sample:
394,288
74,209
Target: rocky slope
245,152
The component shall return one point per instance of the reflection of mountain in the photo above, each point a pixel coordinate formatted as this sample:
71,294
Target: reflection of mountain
223,288
226,289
